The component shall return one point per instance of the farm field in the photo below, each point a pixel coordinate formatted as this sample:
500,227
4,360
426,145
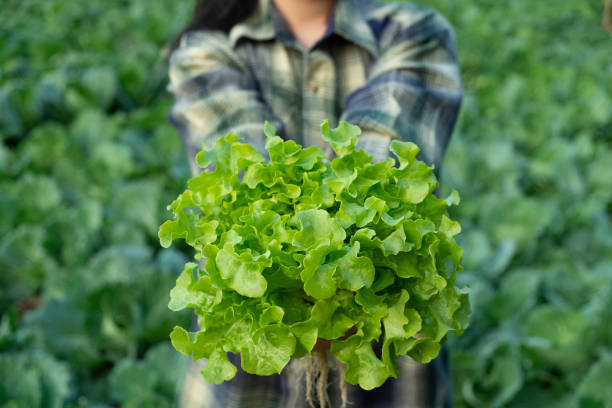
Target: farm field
89,161
532,158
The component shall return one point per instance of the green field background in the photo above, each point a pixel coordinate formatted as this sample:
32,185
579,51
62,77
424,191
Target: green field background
89,161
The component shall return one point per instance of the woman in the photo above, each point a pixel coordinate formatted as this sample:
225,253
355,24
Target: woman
391,69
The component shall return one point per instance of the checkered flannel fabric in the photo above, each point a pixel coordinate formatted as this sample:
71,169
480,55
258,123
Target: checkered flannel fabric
417,386
390,68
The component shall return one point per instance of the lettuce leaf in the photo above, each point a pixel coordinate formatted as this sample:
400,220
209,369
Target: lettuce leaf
301,247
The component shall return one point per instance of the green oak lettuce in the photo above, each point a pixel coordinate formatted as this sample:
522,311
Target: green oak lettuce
298,247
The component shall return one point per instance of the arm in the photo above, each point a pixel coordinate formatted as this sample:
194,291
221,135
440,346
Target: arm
413,91
215,94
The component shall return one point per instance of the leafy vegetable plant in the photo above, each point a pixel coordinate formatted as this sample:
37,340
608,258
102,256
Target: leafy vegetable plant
299,248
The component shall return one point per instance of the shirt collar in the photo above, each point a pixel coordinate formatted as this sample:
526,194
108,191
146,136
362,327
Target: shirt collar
259,26
351,24
266,23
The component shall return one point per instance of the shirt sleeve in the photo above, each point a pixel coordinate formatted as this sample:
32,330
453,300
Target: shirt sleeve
215,94
413,91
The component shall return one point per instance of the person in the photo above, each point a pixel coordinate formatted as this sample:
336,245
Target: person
390,68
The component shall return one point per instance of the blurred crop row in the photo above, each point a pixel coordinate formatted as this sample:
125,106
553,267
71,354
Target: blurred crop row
88,162
532,158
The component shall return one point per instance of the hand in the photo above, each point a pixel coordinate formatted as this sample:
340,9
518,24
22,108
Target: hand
323,344
374,144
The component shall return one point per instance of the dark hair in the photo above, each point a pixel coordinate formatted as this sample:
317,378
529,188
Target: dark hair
219,15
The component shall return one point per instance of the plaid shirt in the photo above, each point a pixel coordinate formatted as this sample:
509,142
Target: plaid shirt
390,68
